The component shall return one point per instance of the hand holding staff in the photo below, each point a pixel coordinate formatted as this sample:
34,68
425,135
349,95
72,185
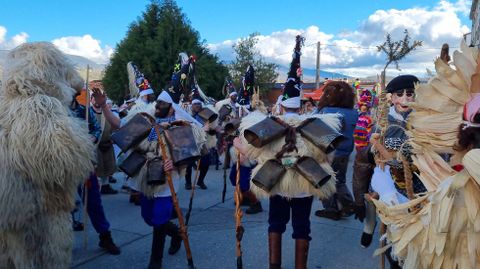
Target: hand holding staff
183,231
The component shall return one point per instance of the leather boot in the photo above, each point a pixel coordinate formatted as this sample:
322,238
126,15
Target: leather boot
106,242
275,250
254,209
301,253
254,205
173,231
158,243
249,197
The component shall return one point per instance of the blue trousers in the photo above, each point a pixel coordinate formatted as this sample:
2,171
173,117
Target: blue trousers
245,173
279,215
156,211
94,205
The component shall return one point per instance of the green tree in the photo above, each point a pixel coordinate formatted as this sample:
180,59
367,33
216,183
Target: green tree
246,53
153,43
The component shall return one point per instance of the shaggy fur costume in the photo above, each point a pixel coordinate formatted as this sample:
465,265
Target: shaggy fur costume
292,183
212,139
221,103
226,101
44,154
149,148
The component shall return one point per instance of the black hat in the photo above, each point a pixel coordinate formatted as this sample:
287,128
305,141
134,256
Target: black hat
401,83
293,85
247,86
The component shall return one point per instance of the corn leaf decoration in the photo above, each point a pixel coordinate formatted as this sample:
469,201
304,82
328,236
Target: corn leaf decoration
440,229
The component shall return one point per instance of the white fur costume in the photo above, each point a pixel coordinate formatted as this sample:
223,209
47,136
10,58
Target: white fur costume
150,147
292,183
44,154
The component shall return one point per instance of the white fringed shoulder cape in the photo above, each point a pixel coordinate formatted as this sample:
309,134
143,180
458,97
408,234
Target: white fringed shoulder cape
292,183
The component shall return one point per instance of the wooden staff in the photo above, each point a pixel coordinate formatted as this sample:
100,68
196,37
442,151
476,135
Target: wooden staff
238,216
226,162
85,201
183,230
85,185
192,193
224,191
383,230
382,122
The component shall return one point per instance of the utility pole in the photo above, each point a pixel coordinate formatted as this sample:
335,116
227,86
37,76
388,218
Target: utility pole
317,75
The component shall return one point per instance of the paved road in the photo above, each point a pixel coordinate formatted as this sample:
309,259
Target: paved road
335,244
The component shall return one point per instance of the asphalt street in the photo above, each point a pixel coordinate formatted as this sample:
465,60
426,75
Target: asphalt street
335,244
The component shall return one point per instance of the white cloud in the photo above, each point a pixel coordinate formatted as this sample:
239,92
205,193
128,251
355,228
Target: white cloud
462,6
11,43
354,53
85,46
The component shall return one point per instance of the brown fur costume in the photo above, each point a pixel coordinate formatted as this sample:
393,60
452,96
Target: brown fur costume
292,183
44,154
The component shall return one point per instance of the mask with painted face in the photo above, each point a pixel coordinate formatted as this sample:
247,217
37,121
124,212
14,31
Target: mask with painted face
400,100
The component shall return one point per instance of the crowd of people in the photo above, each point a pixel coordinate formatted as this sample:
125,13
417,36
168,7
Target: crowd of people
292,153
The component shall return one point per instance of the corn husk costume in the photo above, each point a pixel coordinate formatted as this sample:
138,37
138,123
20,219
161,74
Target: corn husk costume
440,229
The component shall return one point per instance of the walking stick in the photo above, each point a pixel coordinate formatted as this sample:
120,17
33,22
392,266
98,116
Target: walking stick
239,230
85,185
85,201
225,164
192,193
383,229
224,191
183,230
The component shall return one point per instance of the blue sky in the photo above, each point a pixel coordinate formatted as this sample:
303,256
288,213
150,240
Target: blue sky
216,20
221,23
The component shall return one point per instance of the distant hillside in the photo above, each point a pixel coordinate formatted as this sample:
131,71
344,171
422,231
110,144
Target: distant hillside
309,74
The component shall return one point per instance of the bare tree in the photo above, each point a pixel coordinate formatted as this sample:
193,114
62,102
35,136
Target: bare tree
396,51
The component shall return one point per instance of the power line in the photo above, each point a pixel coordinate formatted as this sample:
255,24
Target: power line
359,47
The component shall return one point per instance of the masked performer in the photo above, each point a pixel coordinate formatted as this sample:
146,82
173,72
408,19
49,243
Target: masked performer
246,165
389,181
203,116
109,121
338,97
138,86
94,201
291,168
156,198
45,152
440,228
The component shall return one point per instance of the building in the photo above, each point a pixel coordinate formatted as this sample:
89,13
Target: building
309,89
475,34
